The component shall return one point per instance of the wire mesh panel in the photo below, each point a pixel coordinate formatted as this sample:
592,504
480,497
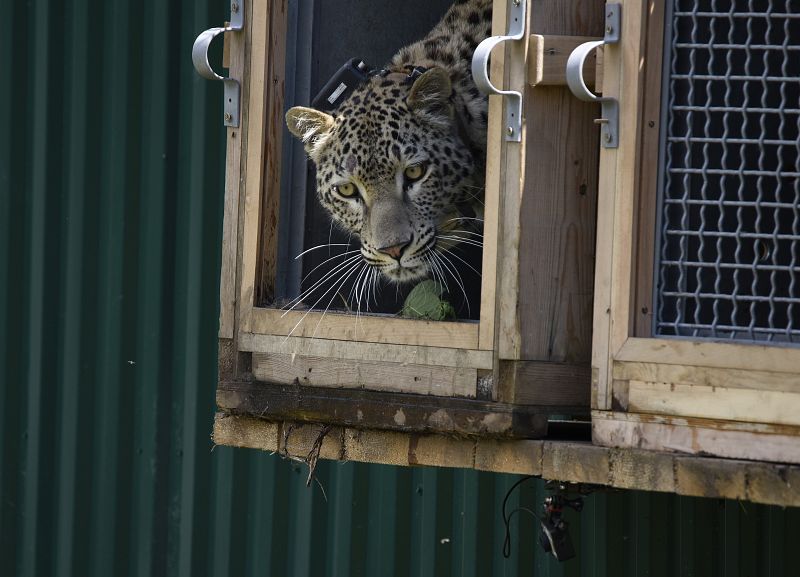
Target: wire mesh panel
728,262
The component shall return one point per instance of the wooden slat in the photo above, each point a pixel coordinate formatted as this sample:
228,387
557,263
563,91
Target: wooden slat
647,189
545,383
635,469
494,188
557,208
271,180
372,352
708,376
365,328
236,44
711,354
381,410
397,377
697,436
547,59
725,403
254,161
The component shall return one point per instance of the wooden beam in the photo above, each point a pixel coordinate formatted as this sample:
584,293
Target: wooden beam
548,55
358,374
381,410
635,469
544,383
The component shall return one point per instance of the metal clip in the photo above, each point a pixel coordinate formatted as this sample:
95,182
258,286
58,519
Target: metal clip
201,64
610,106
480,69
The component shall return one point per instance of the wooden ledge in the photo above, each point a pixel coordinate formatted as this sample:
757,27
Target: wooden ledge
767,483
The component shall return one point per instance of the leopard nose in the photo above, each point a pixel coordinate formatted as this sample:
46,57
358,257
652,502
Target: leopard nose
395,251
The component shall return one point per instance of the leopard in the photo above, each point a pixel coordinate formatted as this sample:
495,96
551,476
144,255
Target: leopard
400,162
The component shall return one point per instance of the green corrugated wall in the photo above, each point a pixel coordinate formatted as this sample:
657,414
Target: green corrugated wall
111,179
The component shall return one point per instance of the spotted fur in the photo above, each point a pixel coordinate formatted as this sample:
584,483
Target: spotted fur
436,120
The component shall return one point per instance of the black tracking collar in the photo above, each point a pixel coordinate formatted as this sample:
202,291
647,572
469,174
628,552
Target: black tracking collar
353,73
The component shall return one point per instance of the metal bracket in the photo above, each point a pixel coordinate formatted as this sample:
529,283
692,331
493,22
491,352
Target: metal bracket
610,106
200,59
480,69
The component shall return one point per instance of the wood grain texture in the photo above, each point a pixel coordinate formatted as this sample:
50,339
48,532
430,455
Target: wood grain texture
558,203
547,59
545,383
275,80
634,469
365,328
381,410
779,444
752,406
372,352
708,376
237,48
251,197
359,374
746,357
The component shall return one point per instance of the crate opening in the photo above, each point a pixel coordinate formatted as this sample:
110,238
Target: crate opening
374,218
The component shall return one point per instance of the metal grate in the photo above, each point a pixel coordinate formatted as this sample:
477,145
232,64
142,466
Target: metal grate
728,262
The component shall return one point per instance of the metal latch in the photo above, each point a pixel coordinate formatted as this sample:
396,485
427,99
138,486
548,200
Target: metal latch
480,69
610,106
200,59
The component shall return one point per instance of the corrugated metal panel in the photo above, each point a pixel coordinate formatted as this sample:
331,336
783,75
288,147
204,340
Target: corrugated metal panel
111,175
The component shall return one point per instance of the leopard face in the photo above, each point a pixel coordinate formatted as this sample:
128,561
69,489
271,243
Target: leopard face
393,169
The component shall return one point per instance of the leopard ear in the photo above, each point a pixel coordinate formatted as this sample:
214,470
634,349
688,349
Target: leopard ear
430,94
311,126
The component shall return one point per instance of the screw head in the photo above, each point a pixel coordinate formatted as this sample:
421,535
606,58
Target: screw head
228,117
234,8
609,29
607,137
516,2
510,131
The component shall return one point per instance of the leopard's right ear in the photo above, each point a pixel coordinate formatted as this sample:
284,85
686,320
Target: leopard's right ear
311,126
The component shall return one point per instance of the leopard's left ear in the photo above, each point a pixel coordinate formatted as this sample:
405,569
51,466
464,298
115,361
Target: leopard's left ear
430,94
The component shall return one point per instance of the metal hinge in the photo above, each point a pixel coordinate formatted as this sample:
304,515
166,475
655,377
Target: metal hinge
609,122
480,69
200,59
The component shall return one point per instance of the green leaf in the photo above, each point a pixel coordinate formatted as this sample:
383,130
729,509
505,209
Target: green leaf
426,301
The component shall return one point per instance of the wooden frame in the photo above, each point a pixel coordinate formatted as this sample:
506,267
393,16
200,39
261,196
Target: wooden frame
528,355
729,399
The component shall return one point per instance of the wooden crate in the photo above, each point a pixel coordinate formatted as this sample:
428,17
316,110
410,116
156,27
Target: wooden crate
525,358
729,399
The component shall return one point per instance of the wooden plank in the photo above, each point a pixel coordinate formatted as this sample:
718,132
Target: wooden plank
634,469
708,376
715,403
507,331
254,161
696,436
647,190
237,44
557,207
381,410
365,328
369,352
544,383
548,55
622,79
398,377
271,177
711,354
493,187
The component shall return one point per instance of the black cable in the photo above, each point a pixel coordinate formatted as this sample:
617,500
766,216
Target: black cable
507,519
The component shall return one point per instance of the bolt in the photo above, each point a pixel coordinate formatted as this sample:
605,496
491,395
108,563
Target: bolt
516,2
609,29
510,130
228,117
607,137
235,8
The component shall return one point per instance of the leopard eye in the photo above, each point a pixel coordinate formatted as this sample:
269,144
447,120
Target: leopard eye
414,172
347,189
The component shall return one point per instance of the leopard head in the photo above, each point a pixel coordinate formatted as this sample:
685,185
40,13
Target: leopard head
393,169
